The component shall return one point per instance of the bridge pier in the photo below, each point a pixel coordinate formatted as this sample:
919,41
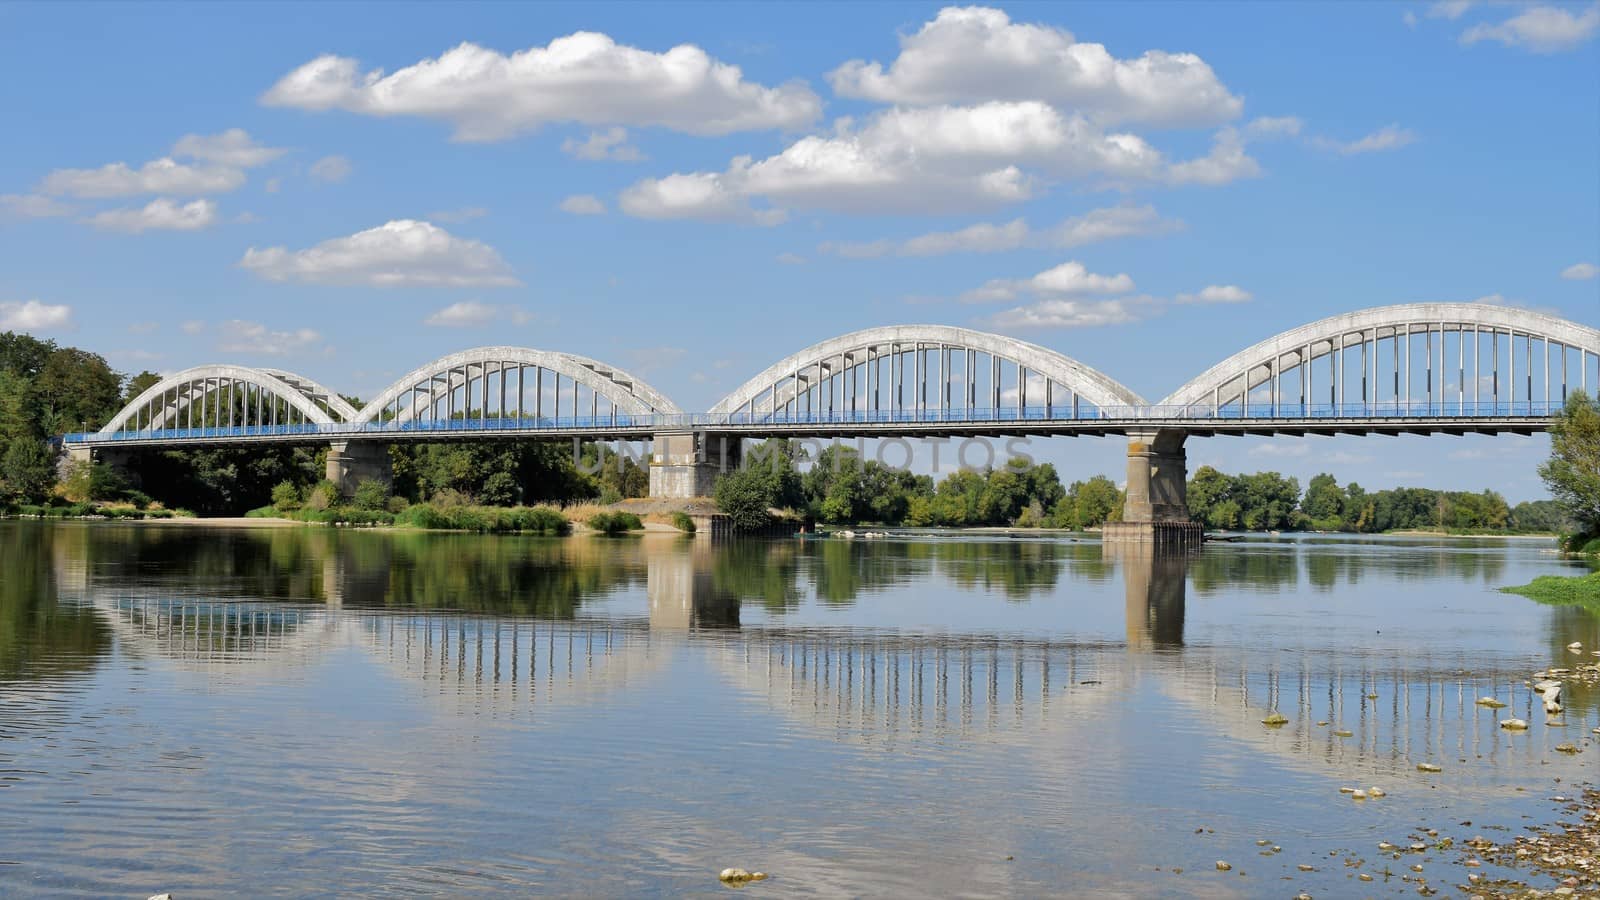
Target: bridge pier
686,464
352,462
1156,511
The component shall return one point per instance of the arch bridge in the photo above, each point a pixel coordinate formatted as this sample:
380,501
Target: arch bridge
1420,368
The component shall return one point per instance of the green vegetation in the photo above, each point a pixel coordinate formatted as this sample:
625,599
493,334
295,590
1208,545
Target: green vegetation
615,523
840,488
1557,590
1572,474
1268,501
683,522
46,390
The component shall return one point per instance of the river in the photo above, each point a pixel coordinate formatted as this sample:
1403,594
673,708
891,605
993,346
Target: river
318,712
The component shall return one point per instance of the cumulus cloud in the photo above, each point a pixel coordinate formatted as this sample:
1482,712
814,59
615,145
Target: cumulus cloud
584,77
1226,162
32,206
472,314
31,315
1580,271
609,144
331,169
970,54
1540,29
1062,313
705,196
791,259
234,148
160,214
1216,293
583,205
239,336
1110,223
1096,225
1065,280
161,176
401,253
219,168
941,159
1389,137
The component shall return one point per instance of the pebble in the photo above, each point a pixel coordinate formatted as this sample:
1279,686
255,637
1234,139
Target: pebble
1344,734
1224,867
1567,748
1359,794
1513,724
1364,877
1491,703
740,876
1305,868
1377,792
1428,767
1275,719
1347,790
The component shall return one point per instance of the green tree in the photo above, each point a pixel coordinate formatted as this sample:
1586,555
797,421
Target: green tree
370,494
285,496
745,497
1324,500
28,470
1572,474
140,383
1095,501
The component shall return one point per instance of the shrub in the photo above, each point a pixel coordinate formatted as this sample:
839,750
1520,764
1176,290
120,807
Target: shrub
397,505
139,499
745,497
263,512
371,494
615,522
683,522
285,497
423,515
323,496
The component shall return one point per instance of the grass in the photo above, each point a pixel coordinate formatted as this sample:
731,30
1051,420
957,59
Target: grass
1558,590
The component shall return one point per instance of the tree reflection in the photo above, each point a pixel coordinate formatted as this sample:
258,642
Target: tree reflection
41,637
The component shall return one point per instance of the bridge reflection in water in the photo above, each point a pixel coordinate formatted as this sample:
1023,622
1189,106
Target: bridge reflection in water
560,624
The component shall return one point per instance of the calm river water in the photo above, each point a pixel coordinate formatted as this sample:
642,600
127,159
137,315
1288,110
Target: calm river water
309,712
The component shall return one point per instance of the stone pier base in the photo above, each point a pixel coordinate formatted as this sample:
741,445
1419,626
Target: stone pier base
352,462
1180,537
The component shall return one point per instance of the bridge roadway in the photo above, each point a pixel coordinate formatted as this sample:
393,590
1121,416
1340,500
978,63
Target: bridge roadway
1376,371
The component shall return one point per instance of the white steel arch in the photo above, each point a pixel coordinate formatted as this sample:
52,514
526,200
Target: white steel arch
170,402
337,405
1526,350
846,356
476,371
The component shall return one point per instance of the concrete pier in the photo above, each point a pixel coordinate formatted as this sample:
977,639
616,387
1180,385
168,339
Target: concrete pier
1156,511
352,462
687,463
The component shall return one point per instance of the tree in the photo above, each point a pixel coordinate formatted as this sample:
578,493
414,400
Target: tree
1324,500
138,384
370,494
28,469
1094,501
285,496
745,497
1572,474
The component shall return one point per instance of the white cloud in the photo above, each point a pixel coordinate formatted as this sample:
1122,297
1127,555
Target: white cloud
160,214
1541,29
192,326
1389,137
1216,293
583,205
401,253
791,259
942,159
1072,314
1109,223
651,359
1096,225
1282,449
460,214
974,54
609,144
233,148
1580,271
144,327
32,206
1226,162
331,169
1273,126
584,77
701,195
1448,9
472,313
239,336
31,315
161,176
1067,279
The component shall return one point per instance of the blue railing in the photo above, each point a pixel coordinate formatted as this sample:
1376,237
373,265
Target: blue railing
1291,412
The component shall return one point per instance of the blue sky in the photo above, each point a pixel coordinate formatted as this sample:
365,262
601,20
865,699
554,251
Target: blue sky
699,212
